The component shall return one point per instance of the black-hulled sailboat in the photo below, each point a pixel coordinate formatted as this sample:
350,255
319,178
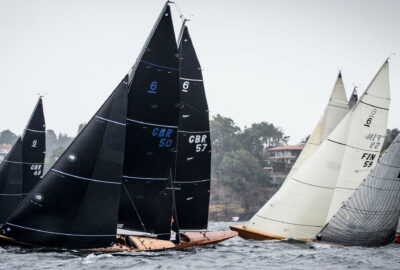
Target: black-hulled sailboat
22,168
151,152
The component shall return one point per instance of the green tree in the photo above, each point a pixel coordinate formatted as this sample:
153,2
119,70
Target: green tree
8,137
261,136
391,134
56,153
81,126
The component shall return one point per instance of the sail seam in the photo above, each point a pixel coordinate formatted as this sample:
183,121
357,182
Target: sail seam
20,162
34,130
338,106
144,178
311,184
186,131
353,146
373,105
57,233
111,121
187,79
190,182
152,64
150,124
289,222
85,178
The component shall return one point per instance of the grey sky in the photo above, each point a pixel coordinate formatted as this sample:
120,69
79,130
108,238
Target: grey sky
272,61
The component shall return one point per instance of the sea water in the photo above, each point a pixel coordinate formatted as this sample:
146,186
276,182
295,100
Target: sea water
234,253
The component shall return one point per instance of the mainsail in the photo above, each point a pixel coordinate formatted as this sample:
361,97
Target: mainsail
151,127
10,181
22,169
193,163
371,214
299,210
334,112
364,142
75,205
353,98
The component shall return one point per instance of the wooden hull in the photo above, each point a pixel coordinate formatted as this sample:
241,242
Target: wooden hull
139,243
254,234
196,239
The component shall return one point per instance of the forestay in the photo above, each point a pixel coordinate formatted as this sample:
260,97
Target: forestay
371,214
75,205
193,166
299,210
151,127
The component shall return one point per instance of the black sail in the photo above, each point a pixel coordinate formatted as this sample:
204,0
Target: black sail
75,205
22,169
193,167
166,226
33,149
151,127
10,181
370,216
353,98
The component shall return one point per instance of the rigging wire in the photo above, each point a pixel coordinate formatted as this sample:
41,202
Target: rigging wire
134,207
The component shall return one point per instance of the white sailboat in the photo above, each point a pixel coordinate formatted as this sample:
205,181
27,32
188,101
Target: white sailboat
300,208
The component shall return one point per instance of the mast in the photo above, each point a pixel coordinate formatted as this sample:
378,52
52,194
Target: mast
371,214
193,160
300,208
22,169
152,121
75,205
166,226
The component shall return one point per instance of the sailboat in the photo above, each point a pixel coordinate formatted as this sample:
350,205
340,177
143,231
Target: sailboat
334,112
329,176
371,214
22,168
193,156
162,103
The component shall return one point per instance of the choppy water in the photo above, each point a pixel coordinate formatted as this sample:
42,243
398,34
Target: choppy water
235,253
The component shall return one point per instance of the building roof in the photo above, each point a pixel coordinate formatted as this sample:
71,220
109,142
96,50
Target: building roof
287,147
5,146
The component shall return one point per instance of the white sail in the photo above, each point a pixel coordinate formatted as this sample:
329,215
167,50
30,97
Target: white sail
299,209
334,112
365,142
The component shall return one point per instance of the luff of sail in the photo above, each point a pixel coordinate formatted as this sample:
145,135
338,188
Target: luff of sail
370,215
151,126
193,165
300,209
364,142
22,169
33,149
334,112
75,205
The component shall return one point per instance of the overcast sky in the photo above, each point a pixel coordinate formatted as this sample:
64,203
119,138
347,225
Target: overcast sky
273,61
